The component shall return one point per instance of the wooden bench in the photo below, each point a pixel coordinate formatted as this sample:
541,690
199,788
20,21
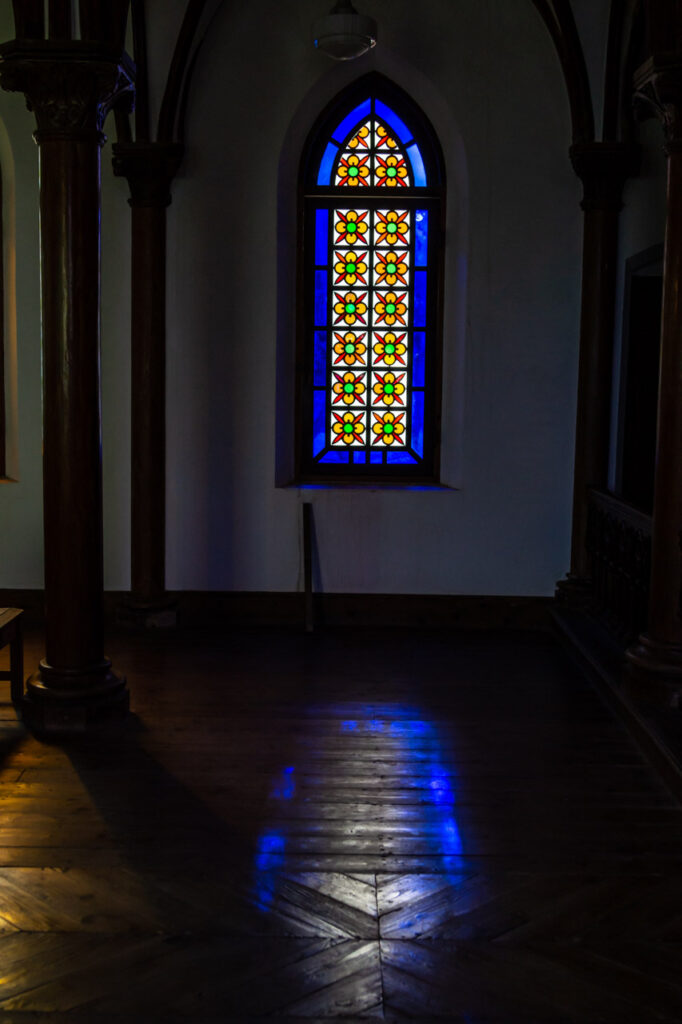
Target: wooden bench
10,633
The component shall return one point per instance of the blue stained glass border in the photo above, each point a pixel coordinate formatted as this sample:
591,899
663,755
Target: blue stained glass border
375,457
419,298
418,350
360,113
324,175
321,235
320,360
335,457
319,418
421,238
400,459
320,298
392,119
418,169
418,423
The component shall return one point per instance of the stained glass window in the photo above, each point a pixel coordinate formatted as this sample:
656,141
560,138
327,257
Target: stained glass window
372,268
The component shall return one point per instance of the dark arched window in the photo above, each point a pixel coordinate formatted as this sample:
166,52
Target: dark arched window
373,207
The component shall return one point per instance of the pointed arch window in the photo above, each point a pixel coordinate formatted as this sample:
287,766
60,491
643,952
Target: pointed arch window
373,206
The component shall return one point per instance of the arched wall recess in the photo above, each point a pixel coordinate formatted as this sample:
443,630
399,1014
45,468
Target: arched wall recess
440,114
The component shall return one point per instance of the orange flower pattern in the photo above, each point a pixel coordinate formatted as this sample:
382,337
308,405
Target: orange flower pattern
349,348
370,298
389,428
372,156
348,387
349,427
389,389
390,308
350,267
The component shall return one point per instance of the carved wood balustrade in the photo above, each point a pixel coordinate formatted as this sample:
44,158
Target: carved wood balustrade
618,544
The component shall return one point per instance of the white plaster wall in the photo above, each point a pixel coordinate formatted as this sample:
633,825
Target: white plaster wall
486,73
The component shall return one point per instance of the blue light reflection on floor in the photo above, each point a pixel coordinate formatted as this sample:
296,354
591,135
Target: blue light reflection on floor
434,780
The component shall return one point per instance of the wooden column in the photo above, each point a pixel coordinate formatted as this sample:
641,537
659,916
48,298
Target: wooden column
149,168
656,660
602,168
69,87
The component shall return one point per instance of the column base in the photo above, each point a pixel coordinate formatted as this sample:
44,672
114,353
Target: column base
159,614
60,701
574,591
653,672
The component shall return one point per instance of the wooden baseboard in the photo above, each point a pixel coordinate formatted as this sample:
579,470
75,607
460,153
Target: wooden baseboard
260,608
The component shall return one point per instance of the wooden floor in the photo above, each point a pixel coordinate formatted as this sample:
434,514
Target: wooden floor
381,825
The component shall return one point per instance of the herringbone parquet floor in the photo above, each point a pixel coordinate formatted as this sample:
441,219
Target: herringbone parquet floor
354,825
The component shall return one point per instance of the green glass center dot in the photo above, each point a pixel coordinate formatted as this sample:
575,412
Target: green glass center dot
390,307
389,349
392,228
350,268
350,307
391,268
349,388
348,428
388,428
388,389
391,172
350,348
353,172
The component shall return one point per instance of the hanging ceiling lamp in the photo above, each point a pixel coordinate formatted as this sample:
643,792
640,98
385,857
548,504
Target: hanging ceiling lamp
344,34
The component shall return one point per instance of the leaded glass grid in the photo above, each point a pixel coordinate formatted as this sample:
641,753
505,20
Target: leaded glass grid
370,292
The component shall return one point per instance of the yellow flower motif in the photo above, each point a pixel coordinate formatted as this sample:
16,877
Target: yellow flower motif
360,138
390,308
391,267
384,139
388,427
391,227
349,387
352,170
389,348
388,389
348,427
349,348
391,171
350,267
350,308
351,226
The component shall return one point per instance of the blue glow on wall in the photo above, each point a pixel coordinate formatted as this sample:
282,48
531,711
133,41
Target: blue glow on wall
284,787
324,176
321,233
418,169
361,113
421,239
420,298
392,119
418,422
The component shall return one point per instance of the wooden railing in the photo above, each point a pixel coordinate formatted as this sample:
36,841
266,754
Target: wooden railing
619,546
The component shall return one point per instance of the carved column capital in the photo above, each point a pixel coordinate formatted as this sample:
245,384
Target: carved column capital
603,168
70,88
150,168
658,91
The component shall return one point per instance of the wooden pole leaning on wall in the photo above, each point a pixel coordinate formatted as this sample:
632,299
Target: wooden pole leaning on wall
655,662
70,85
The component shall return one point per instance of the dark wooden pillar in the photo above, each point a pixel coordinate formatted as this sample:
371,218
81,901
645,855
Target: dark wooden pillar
70,93
656,660
149,168
602,168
